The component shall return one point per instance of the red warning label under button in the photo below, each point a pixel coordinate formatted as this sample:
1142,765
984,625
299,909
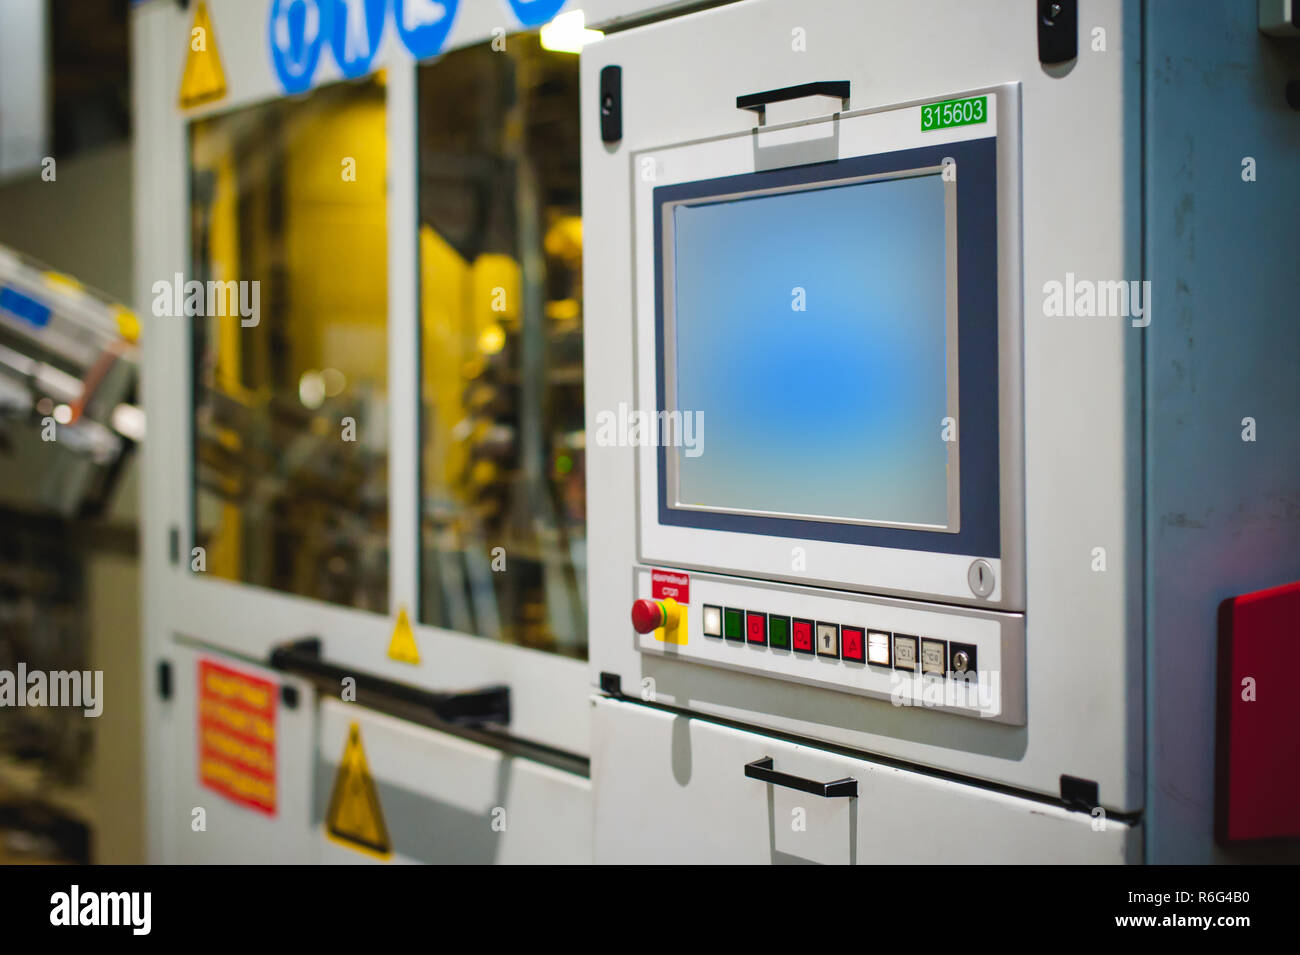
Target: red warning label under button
670,583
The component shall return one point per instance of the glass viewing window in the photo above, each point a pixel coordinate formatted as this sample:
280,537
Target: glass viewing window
502,515
290,431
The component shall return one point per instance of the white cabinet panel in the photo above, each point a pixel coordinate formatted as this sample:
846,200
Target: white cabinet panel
670,788
235,832
445,799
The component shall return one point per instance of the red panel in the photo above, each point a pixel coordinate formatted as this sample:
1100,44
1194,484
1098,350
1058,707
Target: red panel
1258,759
756,627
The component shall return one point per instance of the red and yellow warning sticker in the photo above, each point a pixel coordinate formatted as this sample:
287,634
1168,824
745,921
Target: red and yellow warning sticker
236,721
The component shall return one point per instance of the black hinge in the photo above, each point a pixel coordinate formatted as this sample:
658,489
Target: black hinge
1058,30
164,679
611,683
174,544
611,104
1081,795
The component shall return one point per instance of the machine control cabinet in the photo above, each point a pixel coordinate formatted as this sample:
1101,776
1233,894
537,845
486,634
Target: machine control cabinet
827,335
845,486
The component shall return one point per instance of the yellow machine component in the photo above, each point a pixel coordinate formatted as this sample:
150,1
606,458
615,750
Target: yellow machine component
564,240
62,282
465,310
492,339
128,323
335,177
564,310
225,544
674,622
223,239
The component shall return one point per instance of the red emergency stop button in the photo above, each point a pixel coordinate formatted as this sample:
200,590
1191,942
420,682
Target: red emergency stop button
647,616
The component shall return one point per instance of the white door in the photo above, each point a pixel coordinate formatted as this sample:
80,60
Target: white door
372,407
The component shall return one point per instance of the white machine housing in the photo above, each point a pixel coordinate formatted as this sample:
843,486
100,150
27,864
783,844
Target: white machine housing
982,318
1062,626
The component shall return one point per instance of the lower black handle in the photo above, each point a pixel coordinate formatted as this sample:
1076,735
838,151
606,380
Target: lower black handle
761,769
489,704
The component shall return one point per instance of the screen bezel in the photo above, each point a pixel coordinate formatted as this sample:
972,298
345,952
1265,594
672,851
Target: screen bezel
759,185
888,569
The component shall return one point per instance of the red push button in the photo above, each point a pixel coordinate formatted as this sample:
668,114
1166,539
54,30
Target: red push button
647,616
756,627
851,645
802,635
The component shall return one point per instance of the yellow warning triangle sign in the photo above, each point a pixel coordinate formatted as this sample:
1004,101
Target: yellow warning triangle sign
354,817
204,81
402,646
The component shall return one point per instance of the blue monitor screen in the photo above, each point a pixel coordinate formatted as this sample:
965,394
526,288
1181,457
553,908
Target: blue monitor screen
810,335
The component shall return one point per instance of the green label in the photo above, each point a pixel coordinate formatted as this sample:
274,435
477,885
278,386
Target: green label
954,112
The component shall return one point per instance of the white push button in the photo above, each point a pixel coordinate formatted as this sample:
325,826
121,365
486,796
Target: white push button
904,652
878,648
934,655
712,621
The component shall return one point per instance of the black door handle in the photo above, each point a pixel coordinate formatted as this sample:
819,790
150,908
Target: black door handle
761,769
490,704
758,101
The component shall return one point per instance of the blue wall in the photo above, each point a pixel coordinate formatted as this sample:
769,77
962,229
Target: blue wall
1223,255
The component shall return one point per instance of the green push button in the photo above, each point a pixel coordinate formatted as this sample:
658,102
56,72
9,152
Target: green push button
778,632
733,627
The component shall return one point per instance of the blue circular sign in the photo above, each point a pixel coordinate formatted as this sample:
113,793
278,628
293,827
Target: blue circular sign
533,13
296,30
356,27
423,25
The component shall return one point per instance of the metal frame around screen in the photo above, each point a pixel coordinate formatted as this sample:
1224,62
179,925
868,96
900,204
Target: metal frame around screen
893,561
973,376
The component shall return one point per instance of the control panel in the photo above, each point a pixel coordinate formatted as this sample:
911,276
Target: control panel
969,662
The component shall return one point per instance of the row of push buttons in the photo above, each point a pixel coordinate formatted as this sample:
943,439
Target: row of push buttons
898,651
